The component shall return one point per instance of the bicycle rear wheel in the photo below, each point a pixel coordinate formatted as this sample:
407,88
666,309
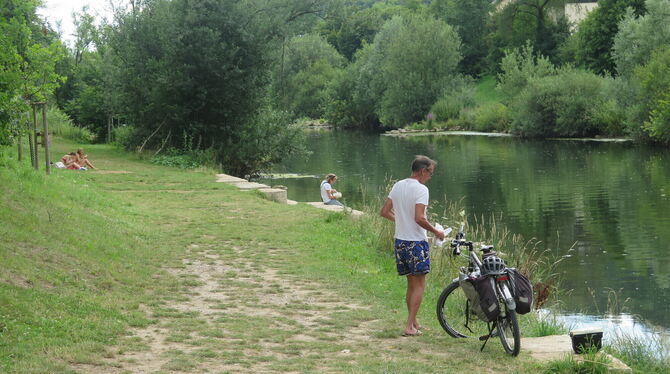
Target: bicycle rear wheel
508,329
455,315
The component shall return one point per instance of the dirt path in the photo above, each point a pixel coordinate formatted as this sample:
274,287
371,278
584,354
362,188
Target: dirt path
235,315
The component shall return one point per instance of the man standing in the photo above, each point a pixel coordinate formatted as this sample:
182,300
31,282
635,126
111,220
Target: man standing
406,206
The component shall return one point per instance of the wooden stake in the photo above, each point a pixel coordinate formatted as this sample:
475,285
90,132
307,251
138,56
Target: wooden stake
45,138
34,144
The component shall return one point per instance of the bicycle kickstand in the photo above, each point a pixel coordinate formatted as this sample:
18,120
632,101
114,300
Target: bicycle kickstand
485,338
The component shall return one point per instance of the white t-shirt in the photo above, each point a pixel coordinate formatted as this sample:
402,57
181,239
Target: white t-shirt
325,186
405,194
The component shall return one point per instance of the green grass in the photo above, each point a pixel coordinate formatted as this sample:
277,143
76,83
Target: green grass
90,258
486,92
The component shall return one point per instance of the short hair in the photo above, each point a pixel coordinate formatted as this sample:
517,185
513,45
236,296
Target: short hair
330,176
422,162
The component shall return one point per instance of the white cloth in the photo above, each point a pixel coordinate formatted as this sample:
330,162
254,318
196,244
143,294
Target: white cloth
405,194
325,186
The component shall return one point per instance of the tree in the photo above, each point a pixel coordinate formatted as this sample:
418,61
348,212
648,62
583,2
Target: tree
412,61
540,21
653,92
639,36
596,33
29,53
308,64
470,19
194,75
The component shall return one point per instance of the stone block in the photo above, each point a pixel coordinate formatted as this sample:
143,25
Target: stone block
274,194
225,178
249,185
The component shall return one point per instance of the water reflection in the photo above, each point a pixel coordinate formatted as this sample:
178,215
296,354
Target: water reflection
608,199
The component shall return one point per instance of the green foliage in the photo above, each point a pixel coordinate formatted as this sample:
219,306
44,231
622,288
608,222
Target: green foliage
310,63
61,125
524,22
520,66
190,160
595,35
122,136
450,105
564,104
492,117
171,80
412,62
28,55
469,19
653,93
255,147
638,37
349,94
354,26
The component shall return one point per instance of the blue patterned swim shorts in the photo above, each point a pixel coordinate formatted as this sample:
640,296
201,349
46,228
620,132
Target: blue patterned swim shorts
412,257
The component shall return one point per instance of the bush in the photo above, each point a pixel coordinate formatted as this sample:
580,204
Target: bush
451,104
519,67
61,125
652,93
123,136
567,104
185,160
491,117
412,63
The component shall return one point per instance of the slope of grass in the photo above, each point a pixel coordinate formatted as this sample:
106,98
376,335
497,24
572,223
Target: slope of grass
486,92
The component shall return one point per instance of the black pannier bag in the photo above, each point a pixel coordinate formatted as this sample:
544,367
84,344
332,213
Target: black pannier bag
522,291
468,287
488,301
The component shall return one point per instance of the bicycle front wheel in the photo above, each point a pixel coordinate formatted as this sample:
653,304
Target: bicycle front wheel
455,315
508,327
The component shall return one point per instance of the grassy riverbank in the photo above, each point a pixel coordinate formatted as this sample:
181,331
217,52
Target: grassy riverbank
144,268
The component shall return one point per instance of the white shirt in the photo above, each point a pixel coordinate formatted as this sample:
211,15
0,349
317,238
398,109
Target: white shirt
405,194
325,186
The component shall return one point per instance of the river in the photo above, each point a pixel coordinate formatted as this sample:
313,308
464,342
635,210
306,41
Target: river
611,200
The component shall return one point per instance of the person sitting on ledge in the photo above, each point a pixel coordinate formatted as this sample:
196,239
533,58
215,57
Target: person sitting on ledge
328,192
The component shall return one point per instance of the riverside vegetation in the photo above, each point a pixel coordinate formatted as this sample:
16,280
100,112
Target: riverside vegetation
153,268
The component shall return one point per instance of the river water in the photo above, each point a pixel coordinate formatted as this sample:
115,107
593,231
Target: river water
610,199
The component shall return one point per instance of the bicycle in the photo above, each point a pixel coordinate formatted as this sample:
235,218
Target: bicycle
460,313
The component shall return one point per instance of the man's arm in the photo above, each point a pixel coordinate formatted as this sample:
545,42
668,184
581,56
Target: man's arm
420,219
387,210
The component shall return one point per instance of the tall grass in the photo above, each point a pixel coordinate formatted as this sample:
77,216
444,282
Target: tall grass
60,124
525,255
645,354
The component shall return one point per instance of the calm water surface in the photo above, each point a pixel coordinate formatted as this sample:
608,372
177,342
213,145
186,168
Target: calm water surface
611,200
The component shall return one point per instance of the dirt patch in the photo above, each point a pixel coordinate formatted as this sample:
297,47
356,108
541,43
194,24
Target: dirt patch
98,171
236,315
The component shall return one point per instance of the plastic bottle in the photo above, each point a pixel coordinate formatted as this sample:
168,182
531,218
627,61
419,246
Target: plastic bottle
438,242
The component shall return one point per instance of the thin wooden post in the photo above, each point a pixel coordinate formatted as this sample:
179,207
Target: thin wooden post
45,138
19,146
34,145
110,119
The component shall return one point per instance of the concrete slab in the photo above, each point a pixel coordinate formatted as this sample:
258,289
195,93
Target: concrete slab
225,178
335,208
249,185
558,347
274,194
291,202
